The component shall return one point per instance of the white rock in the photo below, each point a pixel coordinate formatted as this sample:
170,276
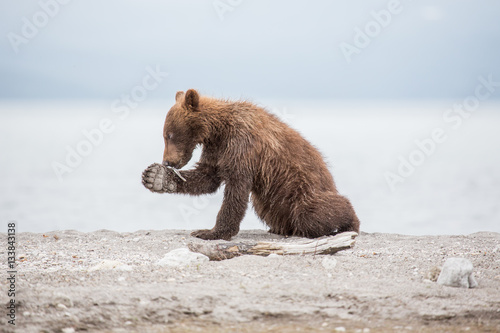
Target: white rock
61,299
110,264
182,257
457,272
68,330
329,263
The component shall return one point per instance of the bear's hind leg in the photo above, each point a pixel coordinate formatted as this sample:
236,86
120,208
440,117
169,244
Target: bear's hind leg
329,215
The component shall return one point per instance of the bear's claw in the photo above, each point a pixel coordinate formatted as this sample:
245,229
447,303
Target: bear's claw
208,234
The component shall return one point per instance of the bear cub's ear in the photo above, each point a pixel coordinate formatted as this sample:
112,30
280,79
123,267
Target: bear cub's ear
192,100
178,96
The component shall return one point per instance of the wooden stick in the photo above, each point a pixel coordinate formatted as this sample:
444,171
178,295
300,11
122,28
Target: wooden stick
322,245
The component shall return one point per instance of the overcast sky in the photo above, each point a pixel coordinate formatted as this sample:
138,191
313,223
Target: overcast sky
262,49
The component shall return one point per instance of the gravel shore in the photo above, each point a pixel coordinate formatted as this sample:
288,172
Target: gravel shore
105,281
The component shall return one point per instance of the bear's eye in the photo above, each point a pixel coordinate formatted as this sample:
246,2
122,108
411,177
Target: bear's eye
169,136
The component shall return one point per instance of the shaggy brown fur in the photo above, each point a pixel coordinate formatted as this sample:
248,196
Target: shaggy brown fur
252,152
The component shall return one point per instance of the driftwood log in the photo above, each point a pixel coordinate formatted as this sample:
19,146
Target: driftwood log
322,245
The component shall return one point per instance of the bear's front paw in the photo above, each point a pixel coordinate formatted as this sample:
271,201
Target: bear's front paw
157,178
207,234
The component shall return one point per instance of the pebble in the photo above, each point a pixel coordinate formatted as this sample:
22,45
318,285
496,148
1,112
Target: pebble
182,257
457,272
433,273
68,330
62,301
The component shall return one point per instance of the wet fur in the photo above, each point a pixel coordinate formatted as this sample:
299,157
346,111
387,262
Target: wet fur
254,154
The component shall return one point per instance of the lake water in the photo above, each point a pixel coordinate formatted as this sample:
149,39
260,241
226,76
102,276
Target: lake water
453,186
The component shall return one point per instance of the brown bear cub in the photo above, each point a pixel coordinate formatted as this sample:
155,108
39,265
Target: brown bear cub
251,152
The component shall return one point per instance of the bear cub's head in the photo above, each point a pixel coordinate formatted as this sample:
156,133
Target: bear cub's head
183,129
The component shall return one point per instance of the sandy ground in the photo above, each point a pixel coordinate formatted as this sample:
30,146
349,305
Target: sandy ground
383,284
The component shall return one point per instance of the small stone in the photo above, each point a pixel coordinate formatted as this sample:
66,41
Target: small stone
273,255
339,329
329,263
182,257
68,330
457,272
63,301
